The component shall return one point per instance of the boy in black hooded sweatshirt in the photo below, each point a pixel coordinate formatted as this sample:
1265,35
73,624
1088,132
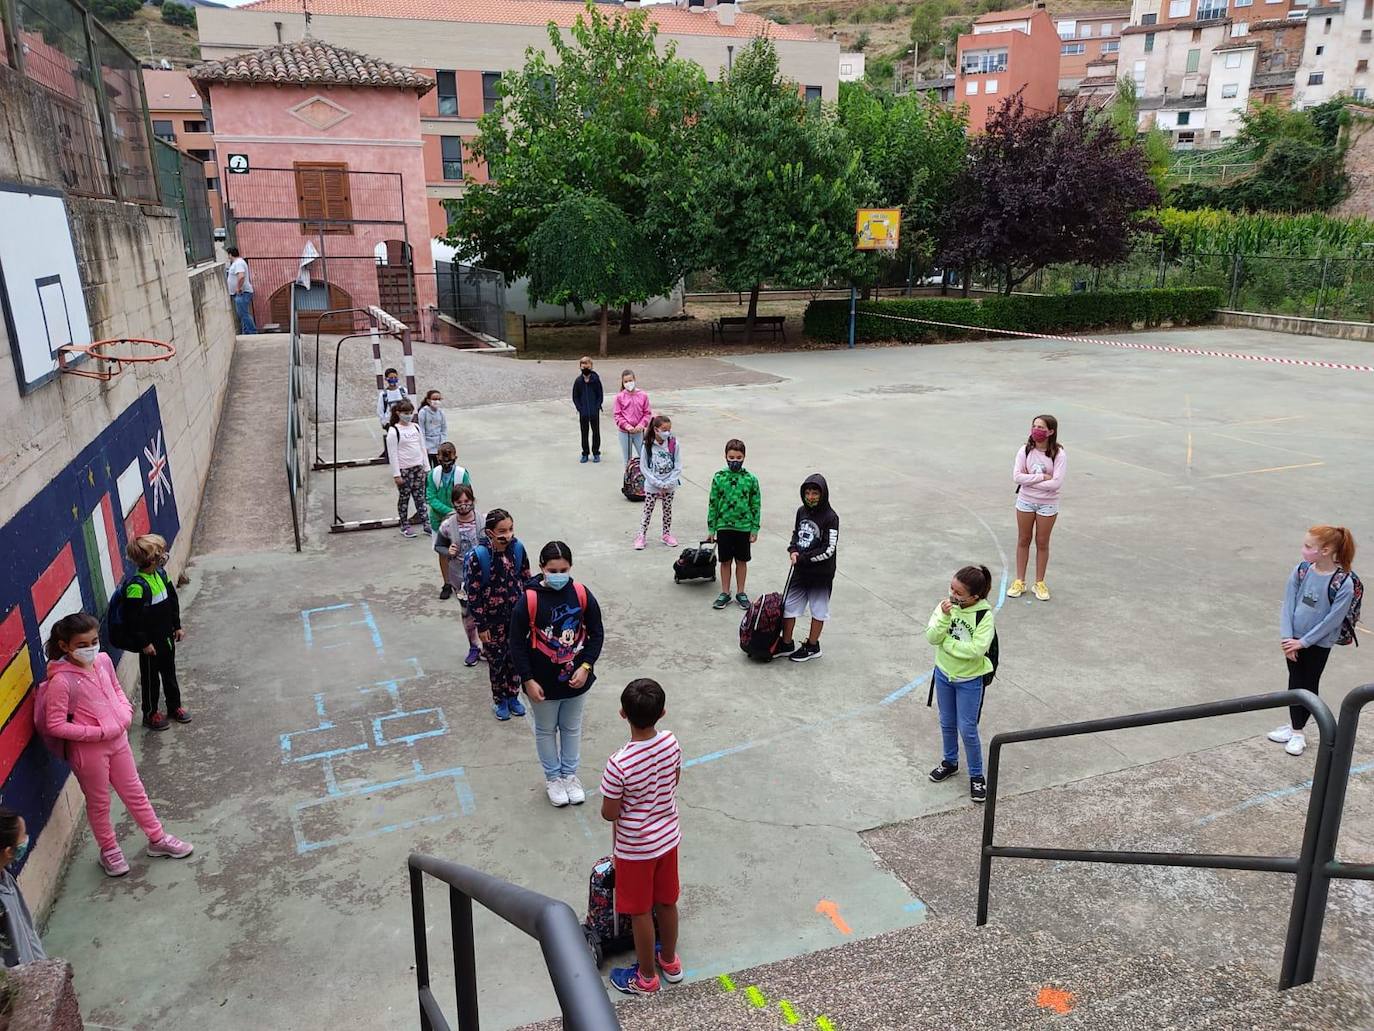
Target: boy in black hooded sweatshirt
815,540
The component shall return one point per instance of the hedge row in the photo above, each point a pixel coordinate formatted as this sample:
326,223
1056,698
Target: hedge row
828,320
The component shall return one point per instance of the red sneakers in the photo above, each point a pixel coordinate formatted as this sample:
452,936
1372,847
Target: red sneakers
156,721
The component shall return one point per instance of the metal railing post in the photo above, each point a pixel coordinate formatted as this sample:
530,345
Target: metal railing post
417,923
989,825
1321,289
464,959
1235,280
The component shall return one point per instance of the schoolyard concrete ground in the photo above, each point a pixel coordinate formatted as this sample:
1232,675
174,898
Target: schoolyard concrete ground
337,730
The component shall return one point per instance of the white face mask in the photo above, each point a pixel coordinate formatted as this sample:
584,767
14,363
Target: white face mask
630,385
85,656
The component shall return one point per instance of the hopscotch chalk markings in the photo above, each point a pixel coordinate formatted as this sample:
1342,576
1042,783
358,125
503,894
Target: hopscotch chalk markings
757,1000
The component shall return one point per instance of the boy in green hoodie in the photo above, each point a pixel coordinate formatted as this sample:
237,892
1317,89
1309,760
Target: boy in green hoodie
961,629
732,521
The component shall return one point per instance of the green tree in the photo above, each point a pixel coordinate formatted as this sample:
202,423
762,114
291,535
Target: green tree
1124,114
115,10
588,250
174,13
603,114
927,24
771,187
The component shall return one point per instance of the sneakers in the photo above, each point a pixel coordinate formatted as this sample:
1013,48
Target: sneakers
446,592
1017,588
474,656
169,848
596,459
672,972
978,790
742,600
156,721
722,600
585,459
515,707
1281,735
408,532
809,650
181,715
669,540
502,709
631,982
639,543
1297,744
1042,593
576,794
944,771
785,648
112,861
558,794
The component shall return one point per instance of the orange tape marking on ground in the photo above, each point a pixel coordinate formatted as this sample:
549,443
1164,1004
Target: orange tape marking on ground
1055,999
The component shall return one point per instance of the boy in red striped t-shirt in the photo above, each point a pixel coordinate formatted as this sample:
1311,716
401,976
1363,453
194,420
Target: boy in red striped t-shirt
639,795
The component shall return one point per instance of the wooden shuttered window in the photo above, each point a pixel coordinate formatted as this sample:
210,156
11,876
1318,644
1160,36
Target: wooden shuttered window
321,195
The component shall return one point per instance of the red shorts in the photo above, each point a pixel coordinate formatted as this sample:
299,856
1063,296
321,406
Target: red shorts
641,884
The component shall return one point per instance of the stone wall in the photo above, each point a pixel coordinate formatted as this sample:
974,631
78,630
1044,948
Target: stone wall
1359,164
84,465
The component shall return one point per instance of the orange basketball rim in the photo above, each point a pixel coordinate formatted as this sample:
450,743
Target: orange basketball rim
112,355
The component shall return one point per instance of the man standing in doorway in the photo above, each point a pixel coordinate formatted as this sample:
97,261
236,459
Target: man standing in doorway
241,290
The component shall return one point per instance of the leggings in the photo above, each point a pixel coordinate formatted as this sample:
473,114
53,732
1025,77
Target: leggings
100,765
1305,675
505,681
412,485
666,496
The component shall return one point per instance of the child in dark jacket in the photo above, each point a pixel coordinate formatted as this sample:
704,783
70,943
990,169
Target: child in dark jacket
153,615
496,572
815,540
587,398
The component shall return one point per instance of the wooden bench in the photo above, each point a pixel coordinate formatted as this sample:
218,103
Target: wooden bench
773,323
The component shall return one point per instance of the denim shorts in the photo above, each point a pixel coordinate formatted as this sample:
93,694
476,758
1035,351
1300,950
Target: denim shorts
1051,509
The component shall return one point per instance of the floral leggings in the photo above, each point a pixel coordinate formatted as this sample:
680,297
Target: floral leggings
412,485
650,497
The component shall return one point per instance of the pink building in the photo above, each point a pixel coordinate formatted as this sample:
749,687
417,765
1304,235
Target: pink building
331,140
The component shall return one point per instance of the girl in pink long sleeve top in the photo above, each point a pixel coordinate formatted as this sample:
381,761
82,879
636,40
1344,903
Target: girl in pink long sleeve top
632,413
1039,475
85,707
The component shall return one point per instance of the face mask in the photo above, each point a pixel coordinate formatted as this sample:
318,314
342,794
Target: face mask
1039,434
735,465
557,580
587,373
20,850
1310,554
391,383
447,466
811,503
630,385
85,656
664,437
462,509
436,404
406,417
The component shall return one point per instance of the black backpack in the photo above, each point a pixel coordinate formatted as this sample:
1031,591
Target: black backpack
119,634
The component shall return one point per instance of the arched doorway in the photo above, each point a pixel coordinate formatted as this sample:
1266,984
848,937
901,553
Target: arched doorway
396,281
321,296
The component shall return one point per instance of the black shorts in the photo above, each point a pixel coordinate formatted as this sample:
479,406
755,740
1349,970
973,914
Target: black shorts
733,546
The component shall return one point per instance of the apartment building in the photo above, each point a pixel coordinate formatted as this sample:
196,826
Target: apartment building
1337,55
1088,39
466,46
182,118
1008,52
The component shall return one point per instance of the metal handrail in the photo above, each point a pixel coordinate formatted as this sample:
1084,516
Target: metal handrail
576,982
319,460
293,422
1302,866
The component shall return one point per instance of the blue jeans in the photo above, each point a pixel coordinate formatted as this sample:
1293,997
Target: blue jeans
558,735
630,444
243,307
960,704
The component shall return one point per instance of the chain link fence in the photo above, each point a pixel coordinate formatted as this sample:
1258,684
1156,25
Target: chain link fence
472,297
182,180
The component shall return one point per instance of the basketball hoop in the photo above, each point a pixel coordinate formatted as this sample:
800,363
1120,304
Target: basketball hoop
111,365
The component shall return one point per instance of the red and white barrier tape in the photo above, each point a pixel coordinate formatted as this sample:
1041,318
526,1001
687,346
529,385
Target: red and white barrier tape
1134,346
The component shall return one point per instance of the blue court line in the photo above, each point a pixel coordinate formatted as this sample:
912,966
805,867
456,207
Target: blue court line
914,907
1270,796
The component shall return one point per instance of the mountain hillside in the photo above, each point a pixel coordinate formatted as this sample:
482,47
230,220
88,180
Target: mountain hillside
152,40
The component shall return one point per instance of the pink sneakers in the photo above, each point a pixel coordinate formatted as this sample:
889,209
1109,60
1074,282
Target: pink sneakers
169,848
670,540
112,861
639,543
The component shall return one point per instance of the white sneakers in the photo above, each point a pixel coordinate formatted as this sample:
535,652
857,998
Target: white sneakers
1293,741
567,791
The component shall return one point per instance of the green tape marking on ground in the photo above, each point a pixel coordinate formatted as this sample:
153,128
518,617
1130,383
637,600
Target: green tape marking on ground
726,983
755,997
823,1024
788,1013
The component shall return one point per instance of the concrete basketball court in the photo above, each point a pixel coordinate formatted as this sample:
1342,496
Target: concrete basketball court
336,728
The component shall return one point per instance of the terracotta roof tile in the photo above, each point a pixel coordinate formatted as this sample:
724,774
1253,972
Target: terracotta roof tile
672,21
310,61
1016,14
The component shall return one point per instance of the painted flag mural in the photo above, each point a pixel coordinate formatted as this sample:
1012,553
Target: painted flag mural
64,553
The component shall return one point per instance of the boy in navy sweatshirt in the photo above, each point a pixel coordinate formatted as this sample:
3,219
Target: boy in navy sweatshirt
587,398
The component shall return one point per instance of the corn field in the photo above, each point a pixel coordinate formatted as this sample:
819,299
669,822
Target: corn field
1223,232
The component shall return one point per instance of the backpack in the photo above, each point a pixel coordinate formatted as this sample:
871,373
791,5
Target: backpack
118,631
532,603
633,485
760,631
993,655
1352,616
483,553
56,746
606,930
696,563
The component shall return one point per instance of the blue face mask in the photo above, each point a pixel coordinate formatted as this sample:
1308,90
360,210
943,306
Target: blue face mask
557,581
20,850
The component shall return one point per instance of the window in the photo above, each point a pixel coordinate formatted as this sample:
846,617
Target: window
195,125
1242,28
1149,19
448,92
1111,47
491,90
1359,92
990,86
1194,59
1138,73
1233,60
813,95
1211,10
451,150
1270,98
1326,27
1365,36
983,61
322,195
1185,117
1215,134
1361,65
1197,35
1368,9
1106,28
846,69
1229,90
1320,51
1316,78
162,129
1243,3
1067,29
1070,49
212,183
1149,42
1185,139
971,88
202,155
1180,8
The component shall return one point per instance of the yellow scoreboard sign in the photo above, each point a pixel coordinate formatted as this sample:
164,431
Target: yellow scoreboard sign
878,229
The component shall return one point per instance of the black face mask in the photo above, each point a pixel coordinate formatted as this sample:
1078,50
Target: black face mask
734,466
586,373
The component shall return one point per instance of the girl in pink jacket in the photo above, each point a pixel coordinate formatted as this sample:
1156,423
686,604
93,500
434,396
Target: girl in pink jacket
85,706
1038,473
632,414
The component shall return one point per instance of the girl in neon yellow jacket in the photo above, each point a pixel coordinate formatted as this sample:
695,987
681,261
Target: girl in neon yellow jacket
961,628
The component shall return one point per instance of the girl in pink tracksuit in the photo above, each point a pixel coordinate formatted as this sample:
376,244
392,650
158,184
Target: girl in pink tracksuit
632,414
85,707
